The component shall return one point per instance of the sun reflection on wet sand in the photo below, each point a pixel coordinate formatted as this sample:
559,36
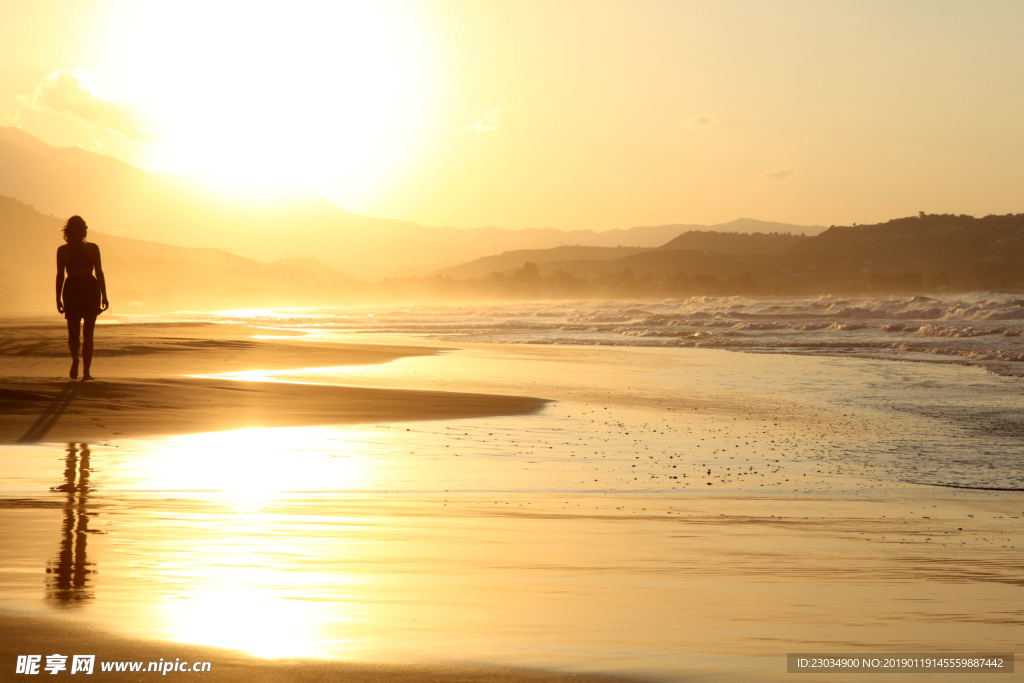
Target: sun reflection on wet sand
235,610
247,466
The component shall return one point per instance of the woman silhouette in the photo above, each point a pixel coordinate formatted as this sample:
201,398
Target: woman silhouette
84,296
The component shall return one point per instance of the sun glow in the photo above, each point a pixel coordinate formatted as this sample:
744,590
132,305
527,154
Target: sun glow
333,94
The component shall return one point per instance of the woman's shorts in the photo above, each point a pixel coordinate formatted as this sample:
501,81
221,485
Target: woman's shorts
81,297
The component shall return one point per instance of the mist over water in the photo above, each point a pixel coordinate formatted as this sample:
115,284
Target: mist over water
983,329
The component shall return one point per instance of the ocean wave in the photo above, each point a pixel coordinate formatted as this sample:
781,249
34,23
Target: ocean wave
979,328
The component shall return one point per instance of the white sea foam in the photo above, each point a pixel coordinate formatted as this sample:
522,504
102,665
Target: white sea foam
979,328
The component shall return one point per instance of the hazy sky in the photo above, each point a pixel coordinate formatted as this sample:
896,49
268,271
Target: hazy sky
582,114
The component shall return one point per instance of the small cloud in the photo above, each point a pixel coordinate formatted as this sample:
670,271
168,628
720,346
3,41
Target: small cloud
777,175
702,121
488,122
10,119
76,95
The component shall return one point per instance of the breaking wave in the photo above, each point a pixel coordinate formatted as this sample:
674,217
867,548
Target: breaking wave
983,329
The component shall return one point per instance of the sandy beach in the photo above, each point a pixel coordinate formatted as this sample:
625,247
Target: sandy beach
324,506
516,342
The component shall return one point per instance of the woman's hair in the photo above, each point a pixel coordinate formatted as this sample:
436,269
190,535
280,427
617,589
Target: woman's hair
74,230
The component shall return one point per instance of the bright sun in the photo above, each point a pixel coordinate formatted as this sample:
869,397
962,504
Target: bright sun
335,94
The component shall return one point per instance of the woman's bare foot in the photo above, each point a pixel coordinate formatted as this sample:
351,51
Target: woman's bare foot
74,369
86,377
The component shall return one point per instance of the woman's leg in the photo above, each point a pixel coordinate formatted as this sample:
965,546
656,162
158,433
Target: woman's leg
73,327
90,325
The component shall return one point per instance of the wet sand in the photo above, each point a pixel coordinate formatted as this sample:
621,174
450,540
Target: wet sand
672,515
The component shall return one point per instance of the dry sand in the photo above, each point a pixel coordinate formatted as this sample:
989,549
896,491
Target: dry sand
142,385
33,410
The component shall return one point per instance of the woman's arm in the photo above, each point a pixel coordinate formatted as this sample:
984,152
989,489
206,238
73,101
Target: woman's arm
60,278
99,277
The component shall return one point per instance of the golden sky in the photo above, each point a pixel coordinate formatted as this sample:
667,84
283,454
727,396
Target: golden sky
587,114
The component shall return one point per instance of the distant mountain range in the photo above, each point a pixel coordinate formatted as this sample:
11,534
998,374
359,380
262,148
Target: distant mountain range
915,254
119,199
170,243
924,253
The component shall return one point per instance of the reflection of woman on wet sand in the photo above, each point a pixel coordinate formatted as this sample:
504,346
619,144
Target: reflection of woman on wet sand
68,582
80,296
